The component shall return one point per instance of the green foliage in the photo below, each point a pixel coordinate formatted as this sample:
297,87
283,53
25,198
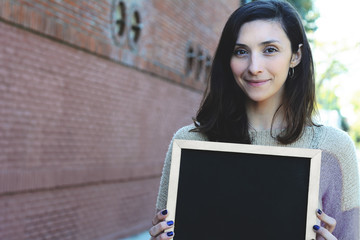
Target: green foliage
355,128
326,86
334,69
331,68
327,99
355,101
307,12
355,132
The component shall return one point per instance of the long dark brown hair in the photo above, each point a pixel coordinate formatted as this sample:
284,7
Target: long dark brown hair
222,114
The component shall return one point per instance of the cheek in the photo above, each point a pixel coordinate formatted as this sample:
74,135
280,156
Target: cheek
237,67
279,68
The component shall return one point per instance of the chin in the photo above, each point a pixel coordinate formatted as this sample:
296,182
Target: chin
255,98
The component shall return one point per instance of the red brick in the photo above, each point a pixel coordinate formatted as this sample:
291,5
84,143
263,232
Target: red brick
91,18
83,134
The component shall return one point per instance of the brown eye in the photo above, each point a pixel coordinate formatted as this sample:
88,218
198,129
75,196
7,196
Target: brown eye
271,50
240,52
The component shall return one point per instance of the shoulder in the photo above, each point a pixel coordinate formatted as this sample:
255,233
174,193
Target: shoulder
338,143
334,139
335,132
185,133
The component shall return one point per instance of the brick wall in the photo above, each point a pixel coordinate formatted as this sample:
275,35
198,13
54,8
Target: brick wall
84,121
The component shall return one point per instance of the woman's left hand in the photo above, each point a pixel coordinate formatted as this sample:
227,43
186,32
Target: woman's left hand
329,226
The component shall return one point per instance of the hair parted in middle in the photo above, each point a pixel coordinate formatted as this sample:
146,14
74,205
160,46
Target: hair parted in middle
222,115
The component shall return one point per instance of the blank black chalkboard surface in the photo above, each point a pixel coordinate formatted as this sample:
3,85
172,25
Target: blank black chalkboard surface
240,191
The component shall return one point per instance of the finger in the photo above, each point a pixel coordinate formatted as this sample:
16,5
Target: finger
159,228
324,232
160,216
167,235
330,223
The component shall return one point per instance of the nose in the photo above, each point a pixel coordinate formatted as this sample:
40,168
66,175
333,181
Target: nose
255,65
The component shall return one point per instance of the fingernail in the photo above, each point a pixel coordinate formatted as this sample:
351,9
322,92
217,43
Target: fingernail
316,227
319,211
170,234
169,223
164,212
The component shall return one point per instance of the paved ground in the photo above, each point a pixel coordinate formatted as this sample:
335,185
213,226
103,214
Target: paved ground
141,236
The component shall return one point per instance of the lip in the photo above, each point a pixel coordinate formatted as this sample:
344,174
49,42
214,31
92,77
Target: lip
256,83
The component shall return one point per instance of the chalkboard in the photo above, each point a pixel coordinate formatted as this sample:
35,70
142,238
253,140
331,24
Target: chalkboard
240,191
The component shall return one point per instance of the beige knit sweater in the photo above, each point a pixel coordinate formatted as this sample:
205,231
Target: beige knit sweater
339,182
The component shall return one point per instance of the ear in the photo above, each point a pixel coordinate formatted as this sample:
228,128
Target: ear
296,57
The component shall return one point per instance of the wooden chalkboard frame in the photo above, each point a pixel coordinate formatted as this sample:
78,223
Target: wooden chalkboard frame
314,175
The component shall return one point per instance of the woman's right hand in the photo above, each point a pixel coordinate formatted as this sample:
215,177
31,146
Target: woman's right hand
159,225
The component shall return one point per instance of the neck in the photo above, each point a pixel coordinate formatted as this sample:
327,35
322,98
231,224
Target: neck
261,115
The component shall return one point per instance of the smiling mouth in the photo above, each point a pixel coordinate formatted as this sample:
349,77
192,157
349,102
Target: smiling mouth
256,83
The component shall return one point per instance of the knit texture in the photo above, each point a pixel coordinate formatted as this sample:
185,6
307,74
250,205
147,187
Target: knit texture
339,181
333,141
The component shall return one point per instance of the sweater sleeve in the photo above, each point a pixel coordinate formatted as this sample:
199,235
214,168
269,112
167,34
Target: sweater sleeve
331,189
182,133
340,145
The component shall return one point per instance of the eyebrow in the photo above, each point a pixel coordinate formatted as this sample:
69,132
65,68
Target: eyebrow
261,44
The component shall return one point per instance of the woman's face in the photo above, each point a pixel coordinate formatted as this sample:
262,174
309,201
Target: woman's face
261,60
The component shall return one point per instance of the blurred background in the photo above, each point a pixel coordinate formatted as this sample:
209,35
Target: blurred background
336,48
91,93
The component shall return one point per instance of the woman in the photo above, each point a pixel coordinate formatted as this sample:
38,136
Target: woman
261,91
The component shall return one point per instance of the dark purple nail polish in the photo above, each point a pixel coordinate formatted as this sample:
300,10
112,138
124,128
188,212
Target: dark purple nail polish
170,234
164,212
319,211
316,227
169,223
